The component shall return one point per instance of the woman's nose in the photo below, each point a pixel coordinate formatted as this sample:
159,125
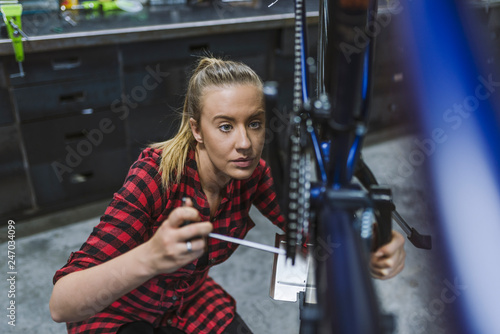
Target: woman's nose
243,141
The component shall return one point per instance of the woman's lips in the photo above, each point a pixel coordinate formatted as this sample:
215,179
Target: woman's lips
243,163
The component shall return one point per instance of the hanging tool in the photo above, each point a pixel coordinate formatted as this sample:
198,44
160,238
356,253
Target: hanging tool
12,17
104,6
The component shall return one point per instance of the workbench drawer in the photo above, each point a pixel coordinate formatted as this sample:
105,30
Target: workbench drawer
166,82
74,138
187,49
94,178
150,124
152,83
69,97
61,65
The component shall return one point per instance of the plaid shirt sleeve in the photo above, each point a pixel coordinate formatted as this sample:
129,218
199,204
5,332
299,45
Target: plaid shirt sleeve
126,222
266,200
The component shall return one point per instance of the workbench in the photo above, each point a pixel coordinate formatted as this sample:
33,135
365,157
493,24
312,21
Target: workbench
50,30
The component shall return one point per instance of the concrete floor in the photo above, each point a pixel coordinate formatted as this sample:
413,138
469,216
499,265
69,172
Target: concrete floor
414,297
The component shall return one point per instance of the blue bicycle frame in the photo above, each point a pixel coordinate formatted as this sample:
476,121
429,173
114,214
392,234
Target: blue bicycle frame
334,123
457,86
465,168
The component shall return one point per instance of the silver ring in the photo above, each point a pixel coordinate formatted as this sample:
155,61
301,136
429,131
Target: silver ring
189,246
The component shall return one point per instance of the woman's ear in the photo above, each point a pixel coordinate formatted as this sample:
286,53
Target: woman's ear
195,129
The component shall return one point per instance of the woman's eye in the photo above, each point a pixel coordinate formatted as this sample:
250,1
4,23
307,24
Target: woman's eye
225,127
255,125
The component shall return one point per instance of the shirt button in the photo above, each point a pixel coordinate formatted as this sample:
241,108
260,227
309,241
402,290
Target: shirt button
213,220
174,297
169,321
212,260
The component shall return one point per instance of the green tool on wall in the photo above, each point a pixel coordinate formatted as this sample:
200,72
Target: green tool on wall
132,6
12,17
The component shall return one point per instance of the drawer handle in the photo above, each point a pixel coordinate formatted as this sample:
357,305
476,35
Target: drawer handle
72,98
81,177
75,136
66,64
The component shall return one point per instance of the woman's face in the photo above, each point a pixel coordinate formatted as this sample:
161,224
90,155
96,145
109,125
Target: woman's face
231,130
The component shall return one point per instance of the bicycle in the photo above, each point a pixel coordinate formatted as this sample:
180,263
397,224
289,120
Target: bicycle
326,136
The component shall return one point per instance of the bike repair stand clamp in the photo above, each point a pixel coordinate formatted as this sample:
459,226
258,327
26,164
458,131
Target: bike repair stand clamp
12,17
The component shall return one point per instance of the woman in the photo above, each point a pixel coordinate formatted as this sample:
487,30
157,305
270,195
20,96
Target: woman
142,270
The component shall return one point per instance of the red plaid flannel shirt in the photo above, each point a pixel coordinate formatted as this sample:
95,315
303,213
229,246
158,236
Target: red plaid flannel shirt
188,298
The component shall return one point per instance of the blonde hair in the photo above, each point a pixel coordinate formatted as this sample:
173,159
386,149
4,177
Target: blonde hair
210,73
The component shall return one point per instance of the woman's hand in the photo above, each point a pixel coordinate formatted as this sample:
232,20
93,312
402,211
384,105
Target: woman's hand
389,260
168,248
165,252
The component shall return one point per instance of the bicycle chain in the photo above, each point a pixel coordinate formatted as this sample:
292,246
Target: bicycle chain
299,179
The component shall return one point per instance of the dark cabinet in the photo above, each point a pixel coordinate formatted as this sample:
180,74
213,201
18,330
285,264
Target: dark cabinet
73,146
76,157
80,117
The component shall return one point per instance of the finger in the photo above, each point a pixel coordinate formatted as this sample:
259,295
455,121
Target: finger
382,263
388,249
384,269
394,245
378,272
195,246
186,201
179,215
184,254
390,273
194,230
388,261
382,273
